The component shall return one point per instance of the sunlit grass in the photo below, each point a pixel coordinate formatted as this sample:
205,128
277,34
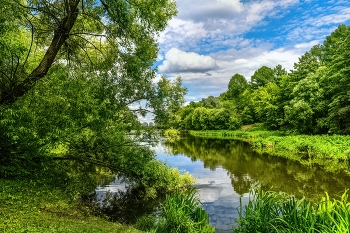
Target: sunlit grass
27,206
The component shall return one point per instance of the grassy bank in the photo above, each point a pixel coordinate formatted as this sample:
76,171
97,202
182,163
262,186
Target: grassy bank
27,206
269,212
330,151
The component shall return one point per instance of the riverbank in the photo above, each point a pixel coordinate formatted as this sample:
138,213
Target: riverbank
28,206
332,152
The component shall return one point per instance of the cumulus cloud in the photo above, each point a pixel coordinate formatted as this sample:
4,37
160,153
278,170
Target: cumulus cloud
199,10
240,36
177,61
307,45
201,86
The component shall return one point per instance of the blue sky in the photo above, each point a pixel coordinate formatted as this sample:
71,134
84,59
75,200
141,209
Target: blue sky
211,40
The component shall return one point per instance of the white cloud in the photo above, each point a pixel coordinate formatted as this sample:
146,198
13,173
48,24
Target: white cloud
255,58
218,29
199,10
307,45
333,18
177,61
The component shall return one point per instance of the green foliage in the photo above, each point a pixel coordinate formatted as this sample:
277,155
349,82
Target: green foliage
277,212
212,119
181,213
75,127
172,135
168,97
299,115
337,47
261,77
266,102
112,34
236,86
156,178
210,102
308,105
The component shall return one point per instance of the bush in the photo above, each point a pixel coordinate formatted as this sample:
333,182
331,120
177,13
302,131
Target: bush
172,135
157,178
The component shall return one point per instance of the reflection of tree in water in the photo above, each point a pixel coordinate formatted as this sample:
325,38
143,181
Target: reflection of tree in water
123,206
245,167
241,184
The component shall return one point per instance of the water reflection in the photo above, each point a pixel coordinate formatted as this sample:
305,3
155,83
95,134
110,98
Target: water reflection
227,169
225,172
244,167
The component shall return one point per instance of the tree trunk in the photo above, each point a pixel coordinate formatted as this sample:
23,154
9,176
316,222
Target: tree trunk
61,34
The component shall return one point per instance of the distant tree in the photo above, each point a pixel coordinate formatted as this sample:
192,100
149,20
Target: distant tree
236,86
210,102
261,77
307,105
308,63
266,100
279,71
337,82
167,98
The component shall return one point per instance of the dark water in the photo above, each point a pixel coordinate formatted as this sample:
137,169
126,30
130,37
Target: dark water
227,169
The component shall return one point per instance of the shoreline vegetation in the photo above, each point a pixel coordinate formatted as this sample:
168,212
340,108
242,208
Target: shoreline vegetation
331,152
32,206
269,212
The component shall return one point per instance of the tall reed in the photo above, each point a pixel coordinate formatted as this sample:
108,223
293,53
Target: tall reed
277,212
181,213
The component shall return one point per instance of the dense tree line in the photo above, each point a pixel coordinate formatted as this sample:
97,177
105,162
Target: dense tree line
313,98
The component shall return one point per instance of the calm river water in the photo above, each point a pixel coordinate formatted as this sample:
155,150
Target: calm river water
227,169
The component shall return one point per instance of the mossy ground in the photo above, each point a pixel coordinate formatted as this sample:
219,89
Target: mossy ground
28,206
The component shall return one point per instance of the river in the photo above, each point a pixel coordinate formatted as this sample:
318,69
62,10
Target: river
227,169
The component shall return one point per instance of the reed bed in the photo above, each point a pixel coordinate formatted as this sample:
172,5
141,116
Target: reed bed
181,213
269,212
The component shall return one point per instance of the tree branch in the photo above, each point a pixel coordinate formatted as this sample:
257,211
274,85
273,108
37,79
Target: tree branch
61,34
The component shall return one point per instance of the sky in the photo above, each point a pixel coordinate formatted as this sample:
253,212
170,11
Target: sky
211,40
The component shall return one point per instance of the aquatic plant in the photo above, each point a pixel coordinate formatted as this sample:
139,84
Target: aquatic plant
181,213
277,212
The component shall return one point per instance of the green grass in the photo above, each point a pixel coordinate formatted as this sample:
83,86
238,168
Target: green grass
181,213
27,206
277,212
330,151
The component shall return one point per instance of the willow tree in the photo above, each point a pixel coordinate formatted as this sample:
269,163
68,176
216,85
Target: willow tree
73,32
69,70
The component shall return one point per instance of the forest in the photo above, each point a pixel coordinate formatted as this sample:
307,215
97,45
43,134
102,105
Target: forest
312,98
